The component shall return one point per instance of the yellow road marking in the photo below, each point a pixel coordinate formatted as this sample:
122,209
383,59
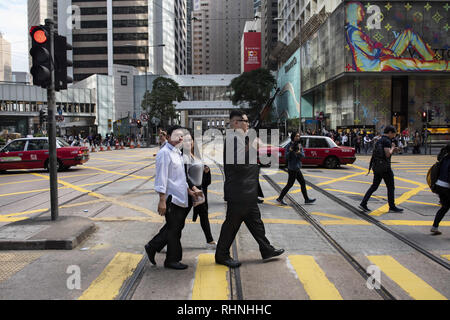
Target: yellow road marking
341,178
121,161
46,209
210,281
381,184
381,197
408,281
108,284
340,220
446,256
404,197
314,280
23,181
109,199
116,172
413,223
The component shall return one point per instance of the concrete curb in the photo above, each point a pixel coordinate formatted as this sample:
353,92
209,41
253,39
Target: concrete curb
64,234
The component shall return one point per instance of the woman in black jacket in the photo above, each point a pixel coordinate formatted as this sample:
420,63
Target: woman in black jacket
442,188
198,178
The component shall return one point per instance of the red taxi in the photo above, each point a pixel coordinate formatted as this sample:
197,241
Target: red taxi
319,150
32,153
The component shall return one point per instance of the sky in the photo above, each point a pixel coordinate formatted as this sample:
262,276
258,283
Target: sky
14,26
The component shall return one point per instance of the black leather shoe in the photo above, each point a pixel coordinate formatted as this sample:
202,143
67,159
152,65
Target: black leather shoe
398,210
151,252
310,201
260,200
175,265
281,202
229,263
274,253
364,207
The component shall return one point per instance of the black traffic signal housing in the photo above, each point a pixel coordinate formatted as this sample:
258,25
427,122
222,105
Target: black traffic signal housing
424,116
41,56
139,124
62,63
42,117
430,116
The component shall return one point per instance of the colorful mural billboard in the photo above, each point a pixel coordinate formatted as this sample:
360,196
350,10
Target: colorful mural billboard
390,36
287,105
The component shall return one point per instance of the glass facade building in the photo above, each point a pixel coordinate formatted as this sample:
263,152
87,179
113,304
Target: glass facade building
379,63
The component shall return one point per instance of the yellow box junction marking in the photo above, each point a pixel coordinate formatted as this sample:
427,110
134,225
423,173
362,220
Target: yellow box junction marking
109,199
408,281
314,280
210,280
108,284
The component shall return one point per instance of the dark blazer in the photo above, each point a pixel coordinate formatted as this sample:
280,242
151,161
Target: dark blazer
241,180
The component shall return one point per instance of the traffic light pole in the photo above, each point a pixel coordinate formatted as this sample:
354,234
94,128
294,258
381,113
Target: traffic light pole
51,103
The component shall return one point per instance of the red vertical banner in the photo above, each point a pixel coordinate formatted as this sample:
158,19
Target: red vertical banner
252,51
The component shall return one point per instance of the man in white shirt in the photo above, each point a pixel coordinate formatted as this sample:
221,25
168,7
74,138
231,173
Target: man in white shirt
173,190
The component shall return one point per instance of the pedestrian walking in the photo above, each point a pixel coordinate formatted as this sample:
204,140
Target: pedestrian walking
198,178
173,190
442,188
381,165
241,193
294,153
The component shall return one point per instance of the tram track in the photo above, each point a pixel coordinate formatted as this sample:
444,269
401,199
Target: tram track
380,225
380,289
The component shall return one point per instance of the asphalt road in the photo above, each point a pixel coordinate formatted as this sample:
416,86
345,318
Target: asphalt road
115,190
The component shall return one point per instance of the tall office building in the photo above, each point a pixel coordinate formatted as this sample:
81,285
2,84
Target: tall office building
256,6
5,59
104,33
300,11
168,26
216,35
269,32
189,8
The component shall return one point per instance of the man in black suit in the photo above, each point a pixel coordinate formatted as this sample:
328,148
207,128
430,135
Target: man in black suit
241,193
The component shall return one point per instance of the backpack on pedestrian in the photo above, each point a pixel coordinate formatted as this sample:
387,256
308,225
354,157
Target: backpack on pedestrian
433,172
378,162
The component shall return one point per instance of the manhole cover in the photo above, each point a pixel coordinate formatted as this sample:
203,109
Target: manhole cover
20,232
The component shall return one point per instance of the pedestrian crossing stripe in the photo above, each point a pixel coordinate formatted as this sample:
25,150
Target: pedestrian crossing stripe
109,282
408,281
210,281
314,280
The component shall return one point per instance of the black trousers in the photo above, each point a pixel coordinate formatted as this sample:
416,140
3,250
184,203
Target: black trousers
388,178
202,212
170,233
444,197
236,214
291,180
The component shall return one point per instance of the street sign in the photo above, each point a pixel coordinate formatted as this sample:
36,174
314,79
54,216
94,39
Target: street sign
155,121
144,117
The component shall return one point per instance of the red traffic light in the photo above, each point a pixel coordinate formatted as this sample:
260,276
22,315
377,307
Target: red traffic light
39,34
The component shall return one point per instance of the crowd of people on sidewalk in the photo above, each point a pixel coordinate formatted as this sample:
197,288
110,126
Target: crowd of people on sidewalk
364,140
96,140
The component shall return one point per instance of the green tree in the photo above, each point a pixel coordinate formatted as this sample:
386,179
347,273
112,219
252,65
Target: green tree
160,102
253,87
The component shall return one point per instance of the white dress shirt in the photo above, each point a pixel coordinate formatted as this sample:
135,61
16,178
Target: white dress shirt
170,176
